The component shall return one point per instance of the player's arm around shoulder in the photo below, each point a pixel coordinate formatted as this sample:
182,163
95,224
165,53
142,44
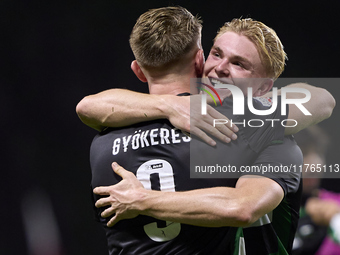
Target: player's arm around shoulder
119,108
320,106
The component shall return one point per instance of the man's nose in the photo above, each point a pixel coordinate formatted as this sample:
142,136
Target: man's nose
222,68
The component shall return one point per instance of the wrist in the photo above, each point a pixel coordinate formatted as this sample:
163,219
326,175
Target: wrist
163,106
140,203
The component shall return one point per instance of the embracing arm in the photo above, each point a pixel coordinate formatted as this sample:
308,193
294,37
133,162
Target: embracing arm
215,207
320,105
211,207
120,107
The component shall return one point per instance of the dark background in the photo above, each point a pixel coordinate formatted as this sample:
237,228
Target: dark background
53,53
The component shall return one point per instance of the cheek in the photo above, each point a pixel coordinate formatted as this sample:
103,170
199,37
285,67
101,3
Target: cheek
206,70
238,69
208,66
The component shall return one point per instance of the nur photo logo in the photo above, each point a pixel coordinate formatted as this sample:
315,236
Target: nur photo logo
239,104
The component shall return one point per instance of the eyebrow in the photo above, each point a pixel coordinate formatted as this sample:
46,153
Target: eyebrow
217,48
242,59
235,57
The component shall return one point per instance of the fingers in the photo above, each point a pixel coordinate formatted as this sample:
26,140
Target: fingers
120,170
113,221
203,136
101,191
226,134
107,212
103,202
221,132
215,132
217,115
213,124
204,127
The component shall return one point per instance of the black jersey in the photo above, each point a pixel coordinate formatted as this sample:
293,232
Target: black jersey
159,155
232,159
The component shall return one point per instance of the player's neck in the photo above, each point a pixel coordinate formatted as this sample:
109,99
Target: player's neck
170,84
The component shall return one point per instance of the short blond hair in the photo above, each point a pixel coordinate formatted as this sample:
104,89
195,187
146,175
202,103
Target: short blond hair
266,41
164,35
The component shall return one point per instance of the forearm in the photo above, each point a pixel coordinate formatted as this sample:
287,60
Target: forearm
320,105
120,107
212,207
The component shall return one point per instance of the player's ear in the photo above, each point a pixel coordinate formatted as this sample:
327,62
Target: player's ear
138,71
199,63
265,87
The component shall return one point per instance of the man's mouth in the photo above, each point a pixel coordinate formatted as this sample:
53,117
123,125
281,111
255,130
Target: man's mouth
215,81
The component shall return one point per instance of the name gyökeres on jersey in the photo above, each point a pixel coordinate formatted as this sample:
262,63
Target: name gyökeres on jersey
150,137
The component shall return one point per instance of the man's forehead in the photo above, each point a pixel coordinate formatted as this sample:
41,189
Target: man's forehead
237,46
